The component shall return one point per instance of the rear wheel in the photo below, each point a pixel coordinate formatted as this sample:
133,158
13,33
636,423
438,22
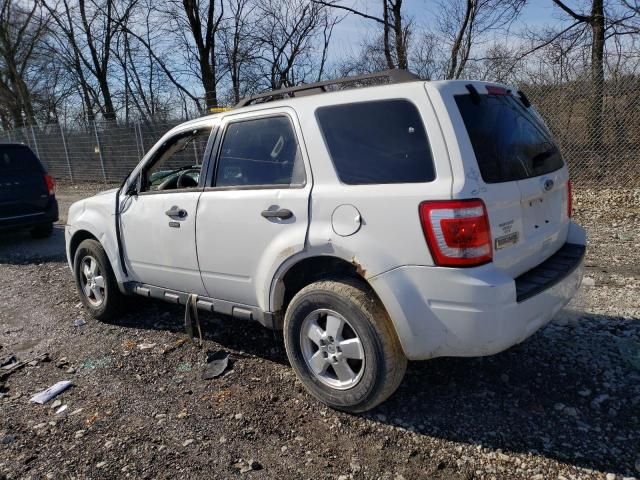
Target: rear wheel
42,231
96,281
341,343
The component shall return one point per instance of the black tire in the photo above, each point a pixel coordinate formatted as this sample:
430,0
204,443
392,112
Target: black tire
42,231
112,298
384,362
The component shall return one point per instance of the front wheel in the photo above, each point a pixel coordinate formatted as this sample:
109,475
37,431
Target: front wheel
341,344
96,281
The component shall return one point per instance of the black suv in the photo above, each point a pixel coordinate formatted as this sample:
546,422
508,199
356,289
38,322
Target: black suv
27,196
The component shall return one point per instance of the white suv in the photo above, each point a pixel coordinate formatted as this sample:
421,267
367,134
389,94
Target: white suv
409,220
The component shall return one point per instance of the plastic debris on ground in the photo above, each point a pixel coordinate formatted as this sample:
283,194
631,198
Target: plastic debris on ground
51,392
79,322
217,363
9,359
174,346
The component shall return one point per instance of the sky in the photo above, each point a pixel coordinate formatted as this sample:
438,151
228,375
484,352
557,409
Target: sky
349,34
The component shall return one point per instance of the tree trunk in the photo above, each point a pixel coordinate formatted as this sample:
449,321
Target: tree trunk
596,106
401,41
387,49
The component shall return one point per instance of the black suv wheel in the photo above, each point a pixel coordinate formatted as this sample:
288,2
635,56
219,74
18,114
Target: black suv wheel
340,341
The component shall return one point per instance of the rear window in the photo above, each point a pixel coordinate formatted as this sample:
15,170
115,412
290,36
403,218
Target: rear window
509,140
18,158
377,142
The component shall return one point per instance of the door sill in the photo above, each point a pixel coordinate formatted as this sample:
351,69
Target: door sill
214,305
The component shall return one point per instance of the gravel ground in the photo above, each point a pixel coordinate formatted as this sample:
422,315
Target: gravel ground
563,404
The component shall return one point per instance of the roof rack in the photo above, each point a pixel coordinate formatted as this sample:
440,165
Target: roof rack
393,76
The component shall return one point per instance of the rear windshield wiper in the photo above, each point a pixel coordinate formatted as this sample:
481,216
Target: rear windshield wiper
539,158
475,96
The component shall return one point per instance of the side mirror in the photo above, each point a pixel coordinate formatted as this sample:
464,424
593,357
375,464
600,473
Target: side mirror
132,189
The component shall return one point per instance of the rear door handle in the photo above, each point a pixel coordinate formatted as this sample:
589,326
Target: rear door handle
176,212
283,213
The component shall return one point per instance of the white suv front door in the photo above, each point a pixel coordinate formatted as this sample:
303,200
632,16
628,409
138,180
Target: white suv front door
159,222
255,209
159,246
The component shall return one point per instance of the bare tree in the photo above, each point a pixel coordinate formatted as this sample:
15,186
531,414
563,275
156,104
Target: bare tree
603,21
89,28
287,32
393,29
465,23
199,23
21,31
239,43
159,57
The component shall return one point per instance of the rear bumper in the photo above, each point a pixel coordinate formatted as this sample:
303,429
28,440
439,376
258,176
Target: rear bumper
470,312
15,222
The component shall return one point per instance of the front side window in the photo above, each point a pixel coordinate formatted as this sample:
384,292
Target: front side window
510,141
178,163
377,142
260,152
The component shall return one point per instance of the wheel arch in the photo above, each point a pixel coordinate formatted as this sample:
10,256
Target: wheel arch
301,271
84,233
76,239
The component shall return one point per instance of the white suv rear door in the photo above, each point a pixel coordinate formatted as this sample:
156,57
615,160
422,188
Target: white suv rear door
254,209
502,152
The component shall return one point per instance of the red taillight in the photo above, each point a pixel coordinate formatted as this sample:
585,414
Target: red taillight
51,186
457,232
569,199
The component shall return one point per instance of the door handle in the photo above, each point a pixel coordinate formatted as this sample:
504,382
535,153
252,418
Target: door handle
176,212
283,214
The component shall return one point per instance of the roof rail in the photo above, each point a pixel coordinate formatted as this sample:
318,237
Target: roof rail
394,76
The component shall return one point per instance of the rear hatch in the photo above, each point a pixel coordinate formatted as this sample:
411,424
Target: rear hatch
515,167
23,190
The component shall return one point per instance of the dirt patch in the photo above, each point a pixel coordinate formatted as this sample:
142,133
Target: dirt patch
564,403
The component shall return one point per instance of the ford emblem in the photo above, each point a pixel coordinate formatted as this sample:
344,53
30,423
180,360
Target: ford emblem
548,185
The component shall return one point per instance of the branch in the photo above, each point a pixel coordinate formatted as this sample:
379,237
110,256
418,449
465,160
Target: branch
577,16
351,10
547,42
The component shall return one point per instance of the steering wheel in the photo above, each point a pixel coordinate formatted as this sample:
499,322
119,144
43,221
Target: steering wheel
185,180
169,183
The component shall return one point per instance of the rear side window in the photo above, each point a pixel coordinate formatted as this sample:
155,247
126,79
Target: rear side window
377,142
260,152
18,158
509,140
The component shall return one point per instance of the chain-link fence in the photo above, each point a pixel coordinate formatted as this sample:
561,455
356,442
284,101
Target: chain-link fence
598,130
98,152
